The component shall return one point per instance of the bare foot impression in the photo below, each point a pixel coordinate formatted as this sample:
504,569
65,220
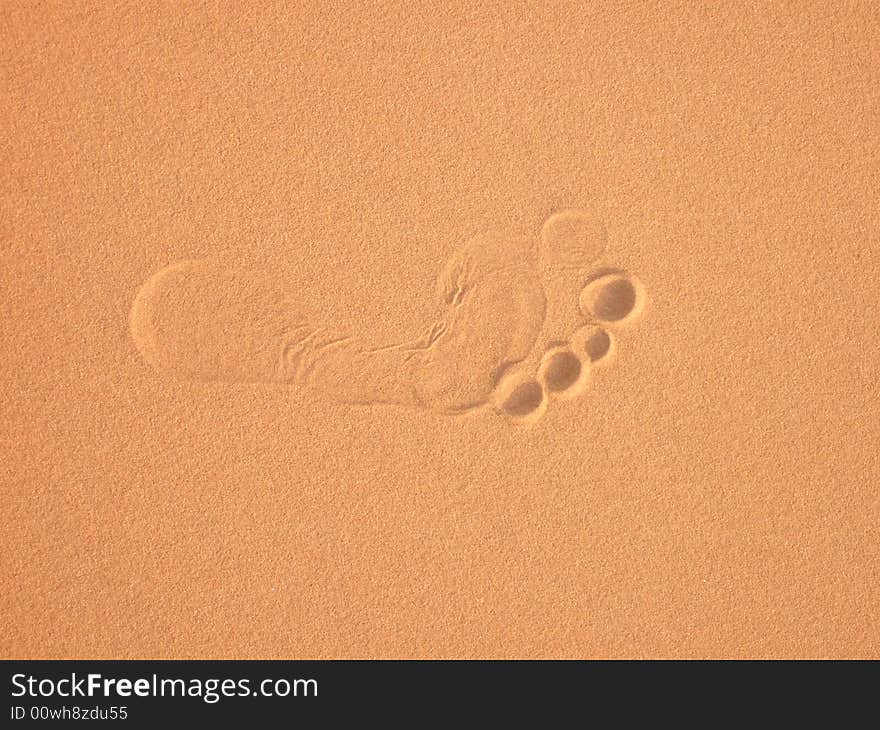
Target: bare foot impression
525,321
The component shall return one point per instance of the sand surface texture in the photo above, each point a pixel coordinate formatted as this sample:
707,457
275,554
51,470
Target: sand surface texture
440,330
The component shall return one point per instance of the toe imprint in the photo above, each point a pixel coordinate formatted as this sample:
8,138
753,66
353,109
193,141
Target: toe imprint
596,343
521,397
563,373
572,239
615,297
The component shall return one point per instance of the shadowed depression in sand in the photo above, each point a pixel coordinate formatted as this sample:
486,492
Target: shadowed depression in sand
506,299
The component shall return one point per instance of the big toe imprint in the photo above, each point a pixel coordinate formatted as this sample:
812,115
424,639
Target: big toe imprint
612,296
201,320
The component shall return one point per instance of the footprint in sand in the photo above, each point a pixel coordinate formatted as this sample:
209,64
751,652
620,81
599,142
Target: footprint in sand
508,303
585,307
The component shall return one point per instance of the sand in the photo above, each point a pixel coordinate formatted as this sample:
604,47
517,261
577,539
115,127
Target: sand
461,330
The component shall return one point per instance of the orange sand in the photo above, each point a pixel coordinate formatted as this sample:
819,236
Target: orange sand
712,492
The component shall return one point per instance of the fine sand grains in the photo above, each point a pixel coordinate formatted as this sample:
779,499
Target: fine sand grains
295,297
